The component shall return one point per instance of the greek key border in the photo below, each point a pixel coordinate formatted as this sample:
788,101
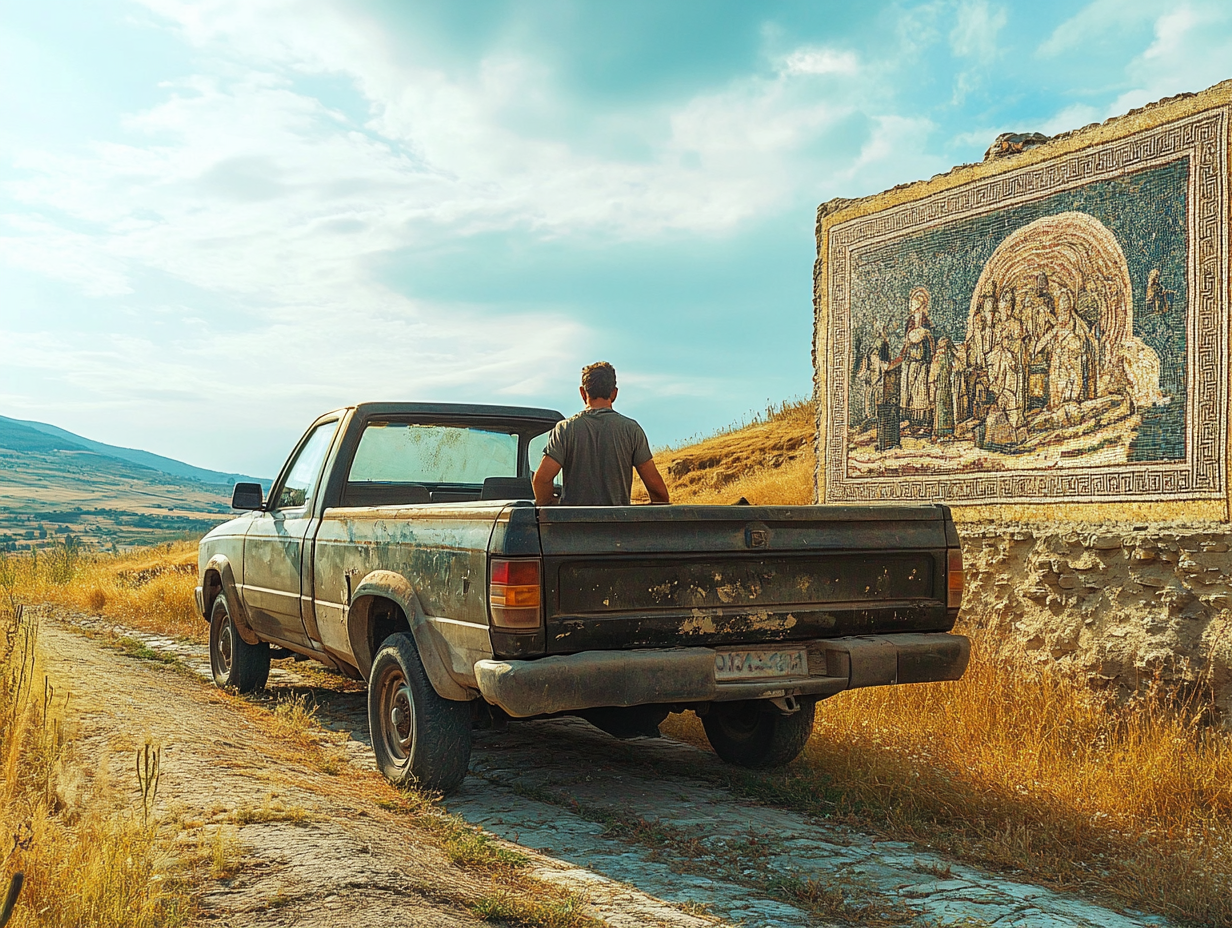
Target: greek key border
1201,475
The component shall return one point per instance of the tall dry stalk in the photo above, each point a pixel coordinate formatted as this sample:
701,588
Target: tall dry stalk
83,864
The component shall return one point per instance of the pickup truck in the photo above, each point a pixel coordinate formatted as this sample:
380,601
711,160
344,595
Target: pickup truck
401,545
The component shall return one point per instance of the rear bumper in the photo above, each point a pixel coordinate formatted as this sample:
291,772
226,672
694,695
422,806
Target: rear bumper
594,679
200,597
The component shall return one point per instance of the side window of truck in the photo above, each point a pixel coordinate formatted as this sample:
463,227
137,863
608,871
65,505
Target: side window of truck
302,479
534,451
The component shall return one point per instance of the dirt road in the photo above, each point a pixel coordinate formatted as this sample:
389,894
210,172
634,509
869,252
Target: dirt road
640,829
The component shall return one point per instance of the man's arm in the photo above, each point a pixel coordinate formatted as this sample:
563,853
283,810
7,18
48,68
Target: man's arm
652,478
542,482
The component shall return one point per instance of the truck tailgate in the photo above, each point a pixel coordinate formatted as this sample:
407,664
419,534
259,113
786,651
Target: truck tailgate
670,576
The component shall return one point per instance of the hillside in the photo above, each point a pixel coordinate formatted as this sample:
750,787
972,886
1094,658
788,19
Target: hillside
768,462
18,429
53,486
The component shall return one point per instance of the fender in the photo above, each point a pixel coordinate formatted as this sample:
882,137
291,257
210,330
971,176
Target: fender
387,584
239,614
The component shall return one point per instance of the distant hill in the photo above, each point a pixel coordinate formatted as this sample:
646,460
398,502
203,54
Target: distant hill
16,430
55,485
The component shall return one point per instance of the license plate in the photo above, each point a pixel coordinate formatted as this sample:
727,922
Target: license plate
755,665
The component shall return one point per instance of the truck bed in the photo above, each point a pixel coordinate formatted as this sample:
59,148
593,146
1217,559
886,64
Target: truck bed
658,576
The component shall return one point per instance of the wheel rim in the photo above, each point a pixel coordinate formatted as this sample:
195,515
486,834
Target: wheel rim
226,646
397,716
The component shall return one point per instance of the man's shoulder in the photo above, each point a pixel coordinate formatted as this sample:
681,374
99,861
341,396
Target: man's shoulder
605,417
616,418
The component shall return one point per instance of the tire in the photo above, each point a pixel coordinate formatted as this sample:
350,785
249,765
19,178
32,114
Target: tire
235,662
419,738
753,733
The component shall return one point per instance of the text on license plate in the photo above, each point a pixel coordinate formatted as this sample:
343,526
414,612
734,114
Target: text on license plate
740,665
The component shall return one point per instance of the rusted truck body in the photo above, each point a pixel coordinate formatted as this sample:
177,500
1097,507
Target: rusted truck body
401,544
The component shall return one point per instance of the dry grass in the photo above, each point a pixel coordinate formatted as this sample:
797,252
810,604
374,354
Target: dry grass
558,910
84,864
127,878
272,809
769,463
150,589
223,853
293,719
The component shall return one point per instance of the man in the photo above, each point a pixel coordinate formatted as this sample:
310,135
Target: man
598,449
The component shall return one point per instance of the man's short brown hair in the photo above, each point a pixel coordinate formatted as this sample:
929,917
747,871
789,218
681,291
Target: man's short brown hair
599,380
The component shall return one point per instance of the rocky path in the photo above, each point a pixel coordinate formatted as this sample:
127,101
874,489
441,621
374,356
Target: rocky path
638,828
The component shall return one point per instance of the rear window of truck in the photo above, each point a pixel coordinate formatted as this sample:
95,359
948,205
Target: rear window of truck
400,453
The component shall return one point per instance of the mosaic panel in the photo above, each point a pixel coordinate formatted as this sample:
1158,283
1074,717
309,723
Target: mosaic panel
1056,332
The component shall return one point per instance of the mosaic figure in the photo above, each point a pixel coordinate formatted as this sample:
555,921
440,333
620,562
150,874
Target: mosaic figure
1072,351
980,329
869,374
1158,300
1005,378
917,357
941,391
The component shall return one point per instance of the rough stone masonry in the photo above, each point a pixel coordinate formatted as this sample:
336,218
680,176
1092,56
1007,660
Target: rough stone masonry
1041,342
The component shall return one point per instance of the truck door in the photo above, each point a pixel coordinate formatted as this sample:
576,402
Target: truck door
275,543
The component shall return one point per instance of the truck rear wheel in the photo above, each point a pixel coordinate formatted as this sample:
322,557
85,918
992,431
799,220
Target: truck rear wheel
753,733
233,660
419,738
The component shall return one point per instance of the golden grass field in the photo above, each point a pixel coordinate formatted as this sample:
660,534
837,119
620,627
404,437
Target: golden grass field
1015,767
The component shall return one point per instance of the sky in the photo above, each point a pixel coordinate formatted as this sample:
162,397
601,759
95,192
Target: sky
220,219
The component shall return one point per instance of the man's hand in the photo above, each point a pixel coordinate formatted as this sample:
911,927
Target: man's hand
542,482
650,476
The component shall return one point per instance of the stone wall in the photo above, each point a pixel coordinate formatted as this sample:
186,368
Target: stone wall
1125,605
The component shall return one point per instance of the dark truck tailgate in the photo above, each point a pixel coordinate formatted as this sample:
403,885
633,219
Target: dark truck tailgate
673,576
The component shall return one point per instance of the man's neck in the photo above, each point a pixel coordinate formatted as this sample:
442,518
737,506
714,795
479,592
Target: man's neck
598,404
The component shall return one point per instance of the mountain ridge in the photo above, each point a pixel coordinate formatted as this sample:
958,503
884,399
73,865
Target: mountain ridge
10,433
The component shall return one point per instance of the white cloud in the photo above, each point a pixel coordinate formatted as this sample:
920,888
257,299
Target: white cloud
895,153
811,60
975,33
238,181
247,191
299,365
48,249
1190,52
1074,116
1097,22
1171,30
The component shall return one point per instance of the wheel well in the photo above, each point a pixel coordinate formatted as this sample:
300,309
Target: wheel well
211,587
385,618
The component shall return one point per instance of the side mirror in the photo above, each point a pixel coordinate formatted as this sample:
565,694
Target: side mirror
247,496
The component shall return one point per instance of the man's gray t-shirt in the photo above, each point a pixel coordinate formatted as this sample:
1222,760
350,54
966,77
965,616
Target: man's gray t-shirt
598,449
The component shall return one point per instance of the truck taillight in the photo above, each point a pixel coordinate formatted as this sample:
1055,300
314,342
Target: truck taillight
513,593
955,578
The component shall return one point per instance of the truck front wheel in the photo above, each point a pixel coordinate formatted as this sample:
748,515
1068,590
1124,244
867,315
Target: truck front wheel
233,660
754,733
419,738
